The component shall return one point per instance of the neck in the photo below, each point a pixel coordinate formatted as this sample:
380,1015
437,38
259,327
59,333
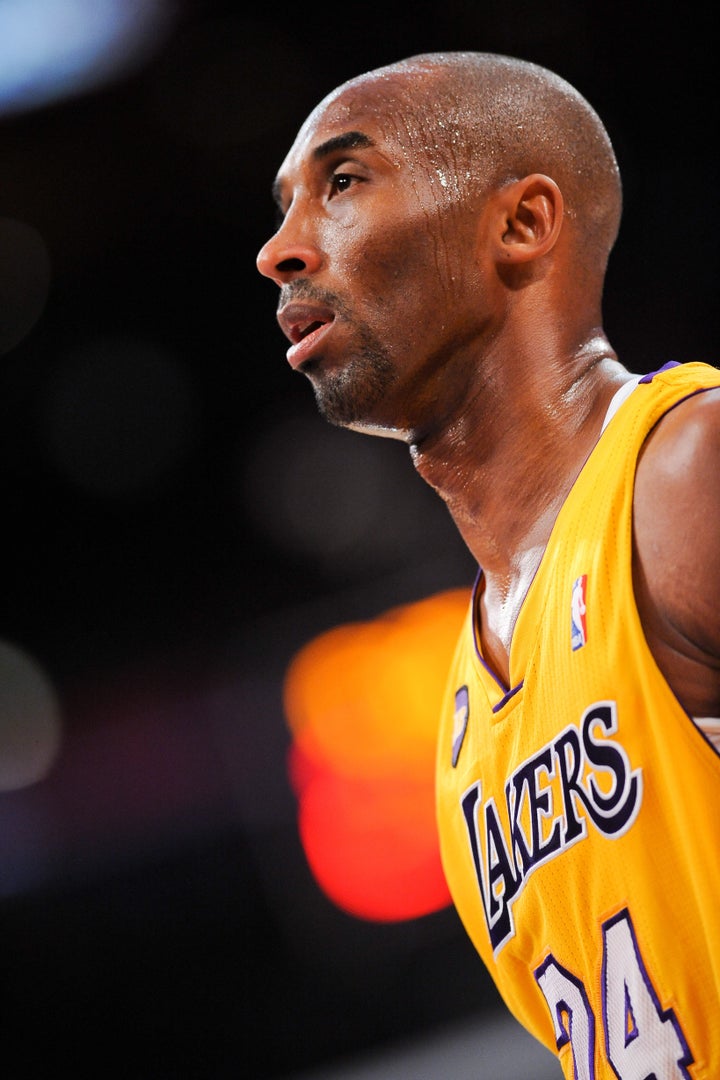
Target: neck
506,462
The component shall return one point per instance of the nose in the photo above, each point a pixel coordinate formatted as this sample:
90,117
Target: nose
283,258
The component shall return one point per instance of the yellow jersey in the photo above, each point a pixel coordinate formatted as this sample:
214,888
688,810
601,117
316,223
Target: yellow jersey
579,807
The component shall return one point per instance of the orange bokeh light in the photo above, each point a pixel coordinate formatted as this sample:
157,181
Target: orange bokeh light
362,702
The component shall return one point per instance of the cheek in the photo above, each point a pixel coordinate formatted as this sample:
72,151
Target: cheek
410,270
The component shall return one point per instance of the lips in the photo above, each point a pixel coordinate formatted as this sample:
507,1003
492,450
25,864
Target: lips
303,324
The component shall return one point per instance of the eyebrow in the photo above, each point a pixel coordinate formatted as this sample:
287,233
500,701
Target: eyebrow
348,140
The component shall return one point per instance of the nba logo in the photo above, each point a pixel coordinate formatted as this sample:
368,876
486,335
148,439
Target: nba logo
578,623
460,721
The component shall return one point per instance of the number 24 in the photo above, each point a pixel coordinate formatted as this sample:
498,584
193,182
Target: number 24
643,1041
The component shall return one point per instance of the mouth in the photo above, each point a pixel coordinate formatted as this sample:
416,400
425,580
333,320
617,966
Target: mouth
303,325
299,320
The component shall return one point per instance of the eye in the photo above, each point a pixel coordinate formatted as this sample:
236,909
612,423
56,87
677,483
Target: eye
342,181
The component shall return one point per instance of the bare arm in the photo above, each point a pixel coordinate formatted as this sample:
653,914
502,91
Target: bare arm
676,562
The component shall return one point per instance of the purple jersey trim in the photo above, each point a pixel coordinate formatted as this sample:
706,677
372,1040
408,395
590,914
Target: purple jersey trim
511,693
666,367
508,692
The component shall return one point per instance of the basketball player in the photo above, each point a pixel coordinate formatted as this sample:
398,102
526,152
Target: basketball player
447,222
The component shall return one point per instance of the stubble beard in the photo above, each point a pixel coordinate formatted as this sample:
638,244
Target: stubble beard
350,396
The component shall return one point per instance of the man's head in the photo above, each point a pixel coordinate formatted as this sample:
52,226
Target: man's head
421,201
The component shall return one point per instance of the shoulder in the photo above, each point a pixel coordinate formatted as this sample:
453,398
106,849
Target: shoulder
676,534
678,467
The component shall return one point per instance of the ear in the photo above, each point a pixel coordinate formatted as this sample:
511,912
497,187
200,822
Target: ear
531,215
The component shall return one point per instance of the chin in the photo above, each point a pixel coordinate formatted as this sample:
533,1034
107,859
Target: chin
356,395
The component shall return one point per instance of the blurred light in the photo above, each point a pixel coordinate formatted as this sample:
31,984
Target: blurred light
362,703
24,280
30,732
52,49
370,842
367,695
118,416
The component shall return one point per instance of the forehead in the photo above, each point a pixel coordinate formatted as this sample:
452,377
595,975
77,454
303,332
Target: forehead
377,105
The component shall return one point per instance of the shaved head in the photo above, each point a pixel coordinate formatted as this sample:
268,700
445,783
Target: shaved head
446,225
484,119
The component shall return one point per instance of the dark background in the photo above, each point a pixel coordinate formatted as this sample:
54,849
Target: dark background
177,522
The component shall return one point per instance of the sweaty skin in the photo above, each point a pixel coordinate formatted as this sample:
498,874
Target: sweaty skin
440,282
